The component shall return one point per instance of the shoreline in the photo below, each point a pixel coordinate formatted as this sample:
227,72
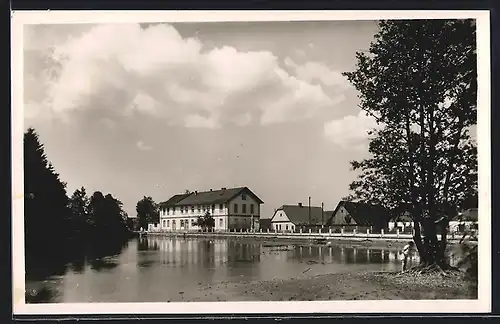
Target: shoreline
344,286
363,285
320,239
334,286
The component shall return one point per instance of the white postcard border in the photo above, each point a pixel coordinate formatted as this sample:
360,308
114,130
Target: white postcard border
482,304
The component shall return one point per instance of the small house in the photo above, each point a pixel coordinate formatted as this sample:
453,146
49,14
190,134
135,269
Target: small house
290,218
403,223
349,214
465,221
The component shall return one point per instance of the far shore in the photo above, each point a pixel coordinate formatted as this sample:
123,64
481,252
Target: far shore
360,239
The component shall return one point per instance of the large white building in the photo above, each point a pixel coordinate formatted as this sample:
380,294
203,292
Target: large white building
232,209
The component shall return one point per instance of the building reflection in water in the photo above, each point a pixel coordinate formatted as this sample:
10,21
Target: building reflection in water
190,253
153,268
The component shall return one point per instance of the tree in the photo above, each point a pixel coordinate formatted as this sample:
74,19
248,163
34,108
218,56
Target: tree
46,213
131,223
147,212
419,81
106,217
206,222
79,207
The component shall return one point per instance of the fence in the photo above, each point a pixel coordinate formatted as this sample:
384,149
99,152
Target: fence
310,234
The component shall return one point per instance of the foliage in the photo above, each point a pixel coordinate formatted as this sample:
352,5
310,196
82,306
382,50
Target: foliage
206,222
106,216
468,252
78,205
54,225
46,214
419,81
132,224
147,212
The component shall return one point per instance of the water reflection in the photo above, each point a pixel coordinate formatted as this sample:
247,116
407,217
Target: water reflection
155,268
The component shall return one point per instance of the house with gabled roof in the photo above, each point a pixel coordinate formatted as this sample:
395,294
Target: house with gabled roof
232,209
289,218
466,220
349,213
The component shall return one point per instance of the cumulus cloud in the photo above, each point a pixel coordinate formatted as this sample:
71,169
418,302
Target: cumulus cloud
143,147
318,72
350,131
155,71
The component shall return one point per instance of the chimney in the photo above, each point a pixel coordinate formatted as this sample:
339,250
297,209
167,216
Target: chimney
210,189
300,204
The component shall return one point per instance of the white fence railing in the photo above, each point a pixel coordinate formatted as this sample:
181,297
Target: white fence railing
316,235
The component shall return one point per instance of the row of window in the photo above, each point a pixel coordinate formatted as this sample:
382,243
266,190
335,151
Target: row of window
281,227
205,208
244,208
186,223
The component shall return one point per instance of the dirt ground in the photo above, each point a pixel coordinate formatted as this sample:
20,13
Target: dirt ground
345,286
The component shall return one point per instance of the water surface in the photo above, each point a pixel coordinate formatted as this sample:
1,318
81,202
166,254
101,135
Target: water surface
155,269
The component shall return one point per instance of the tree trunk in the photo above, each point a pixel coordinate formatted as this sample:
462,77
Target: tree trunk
417,238
441,252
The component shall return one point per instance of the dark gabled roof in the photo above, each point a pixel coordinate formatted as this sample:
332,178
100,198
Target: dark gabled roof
365,214
173,200
209,197
299,215
470,214
328,216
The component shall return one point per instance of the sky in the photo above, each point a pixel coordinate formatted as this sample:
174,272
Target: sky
154,109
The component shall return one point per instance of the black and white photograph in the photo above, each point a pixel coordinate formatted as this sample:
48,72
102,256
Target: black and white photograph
178,162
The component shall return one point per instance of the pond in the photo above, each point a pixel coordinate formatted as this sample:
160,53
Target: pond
156,268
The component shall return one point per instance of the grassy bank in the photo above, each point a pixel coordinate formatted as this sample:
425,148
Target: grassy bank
344,286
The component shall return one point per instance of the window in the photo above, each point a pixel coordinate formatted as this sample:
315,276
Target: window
236,208
243,197
244,208
192,209
199,208
168,210
213,208
182,223
252,209
221,222
168,223
164,223
186,223
286,227
221,206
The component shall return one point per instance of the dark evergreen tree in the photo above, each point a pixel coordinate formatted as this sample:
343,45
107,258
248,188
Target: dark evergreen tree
46,213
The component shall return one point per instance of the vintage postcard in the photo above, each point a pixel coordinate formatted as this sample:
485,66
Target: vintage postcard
225,162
